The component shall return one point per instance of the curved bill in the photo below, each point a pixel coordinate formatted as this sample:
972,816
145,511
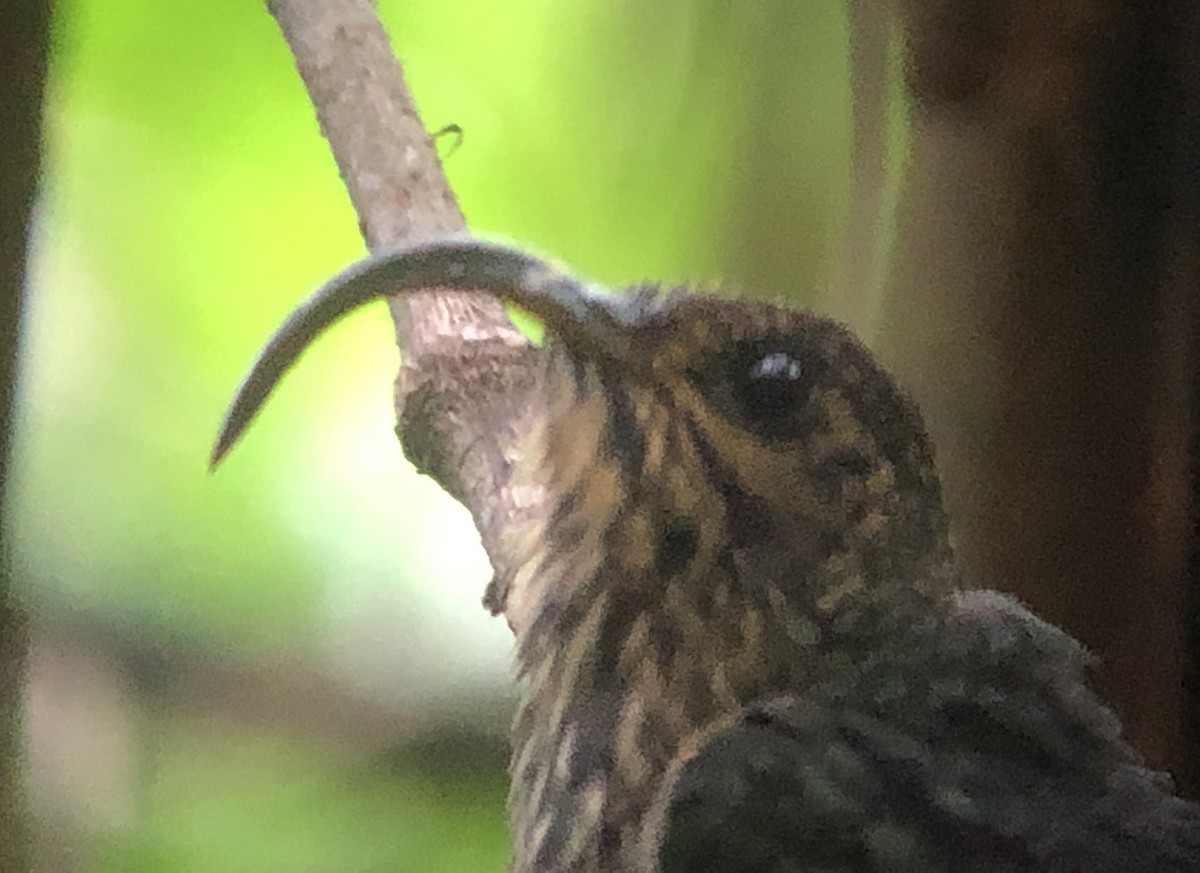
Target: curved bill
569,309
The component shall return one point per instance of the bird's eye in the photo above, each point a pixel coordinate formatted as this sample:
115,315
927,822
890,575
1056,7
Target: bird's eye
763,386
772,393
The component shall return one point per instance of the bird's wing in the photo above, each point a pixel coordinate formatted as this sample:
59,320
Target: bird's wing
981,751
769,795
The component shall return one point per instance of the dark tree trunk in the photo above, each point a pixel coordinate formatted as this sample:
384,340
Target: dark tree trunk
1042,310
23,47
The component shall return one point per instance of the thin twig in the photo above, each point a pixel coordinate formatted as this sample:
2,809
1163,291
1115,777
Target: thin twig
386,159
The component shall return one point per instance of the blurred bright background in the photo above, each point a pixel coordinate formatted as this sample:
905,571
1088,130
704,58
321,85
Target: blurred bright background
285,665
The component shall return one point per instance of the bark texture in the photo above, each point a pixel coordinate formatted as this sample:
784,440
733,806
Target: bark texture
463,396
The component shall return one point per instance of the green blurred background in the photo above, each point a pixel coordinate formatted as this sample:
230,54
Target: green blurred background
285,666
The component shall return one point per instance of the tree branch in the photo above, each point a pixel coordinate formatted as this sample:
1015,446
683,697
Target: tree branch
464,393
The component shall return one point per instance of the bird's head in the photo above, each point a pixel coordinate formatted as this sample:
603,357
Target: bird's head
685,432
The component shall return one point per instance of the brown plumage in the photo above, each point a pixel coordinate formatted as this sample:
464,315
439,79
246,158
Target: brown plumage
740,634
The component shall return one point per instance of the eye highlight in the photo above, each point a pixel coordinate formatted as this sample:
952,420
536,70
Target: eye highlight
777,365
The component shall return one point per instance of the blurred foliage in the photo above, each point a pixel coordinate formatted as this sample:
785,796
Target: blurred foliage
263,804
189,200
